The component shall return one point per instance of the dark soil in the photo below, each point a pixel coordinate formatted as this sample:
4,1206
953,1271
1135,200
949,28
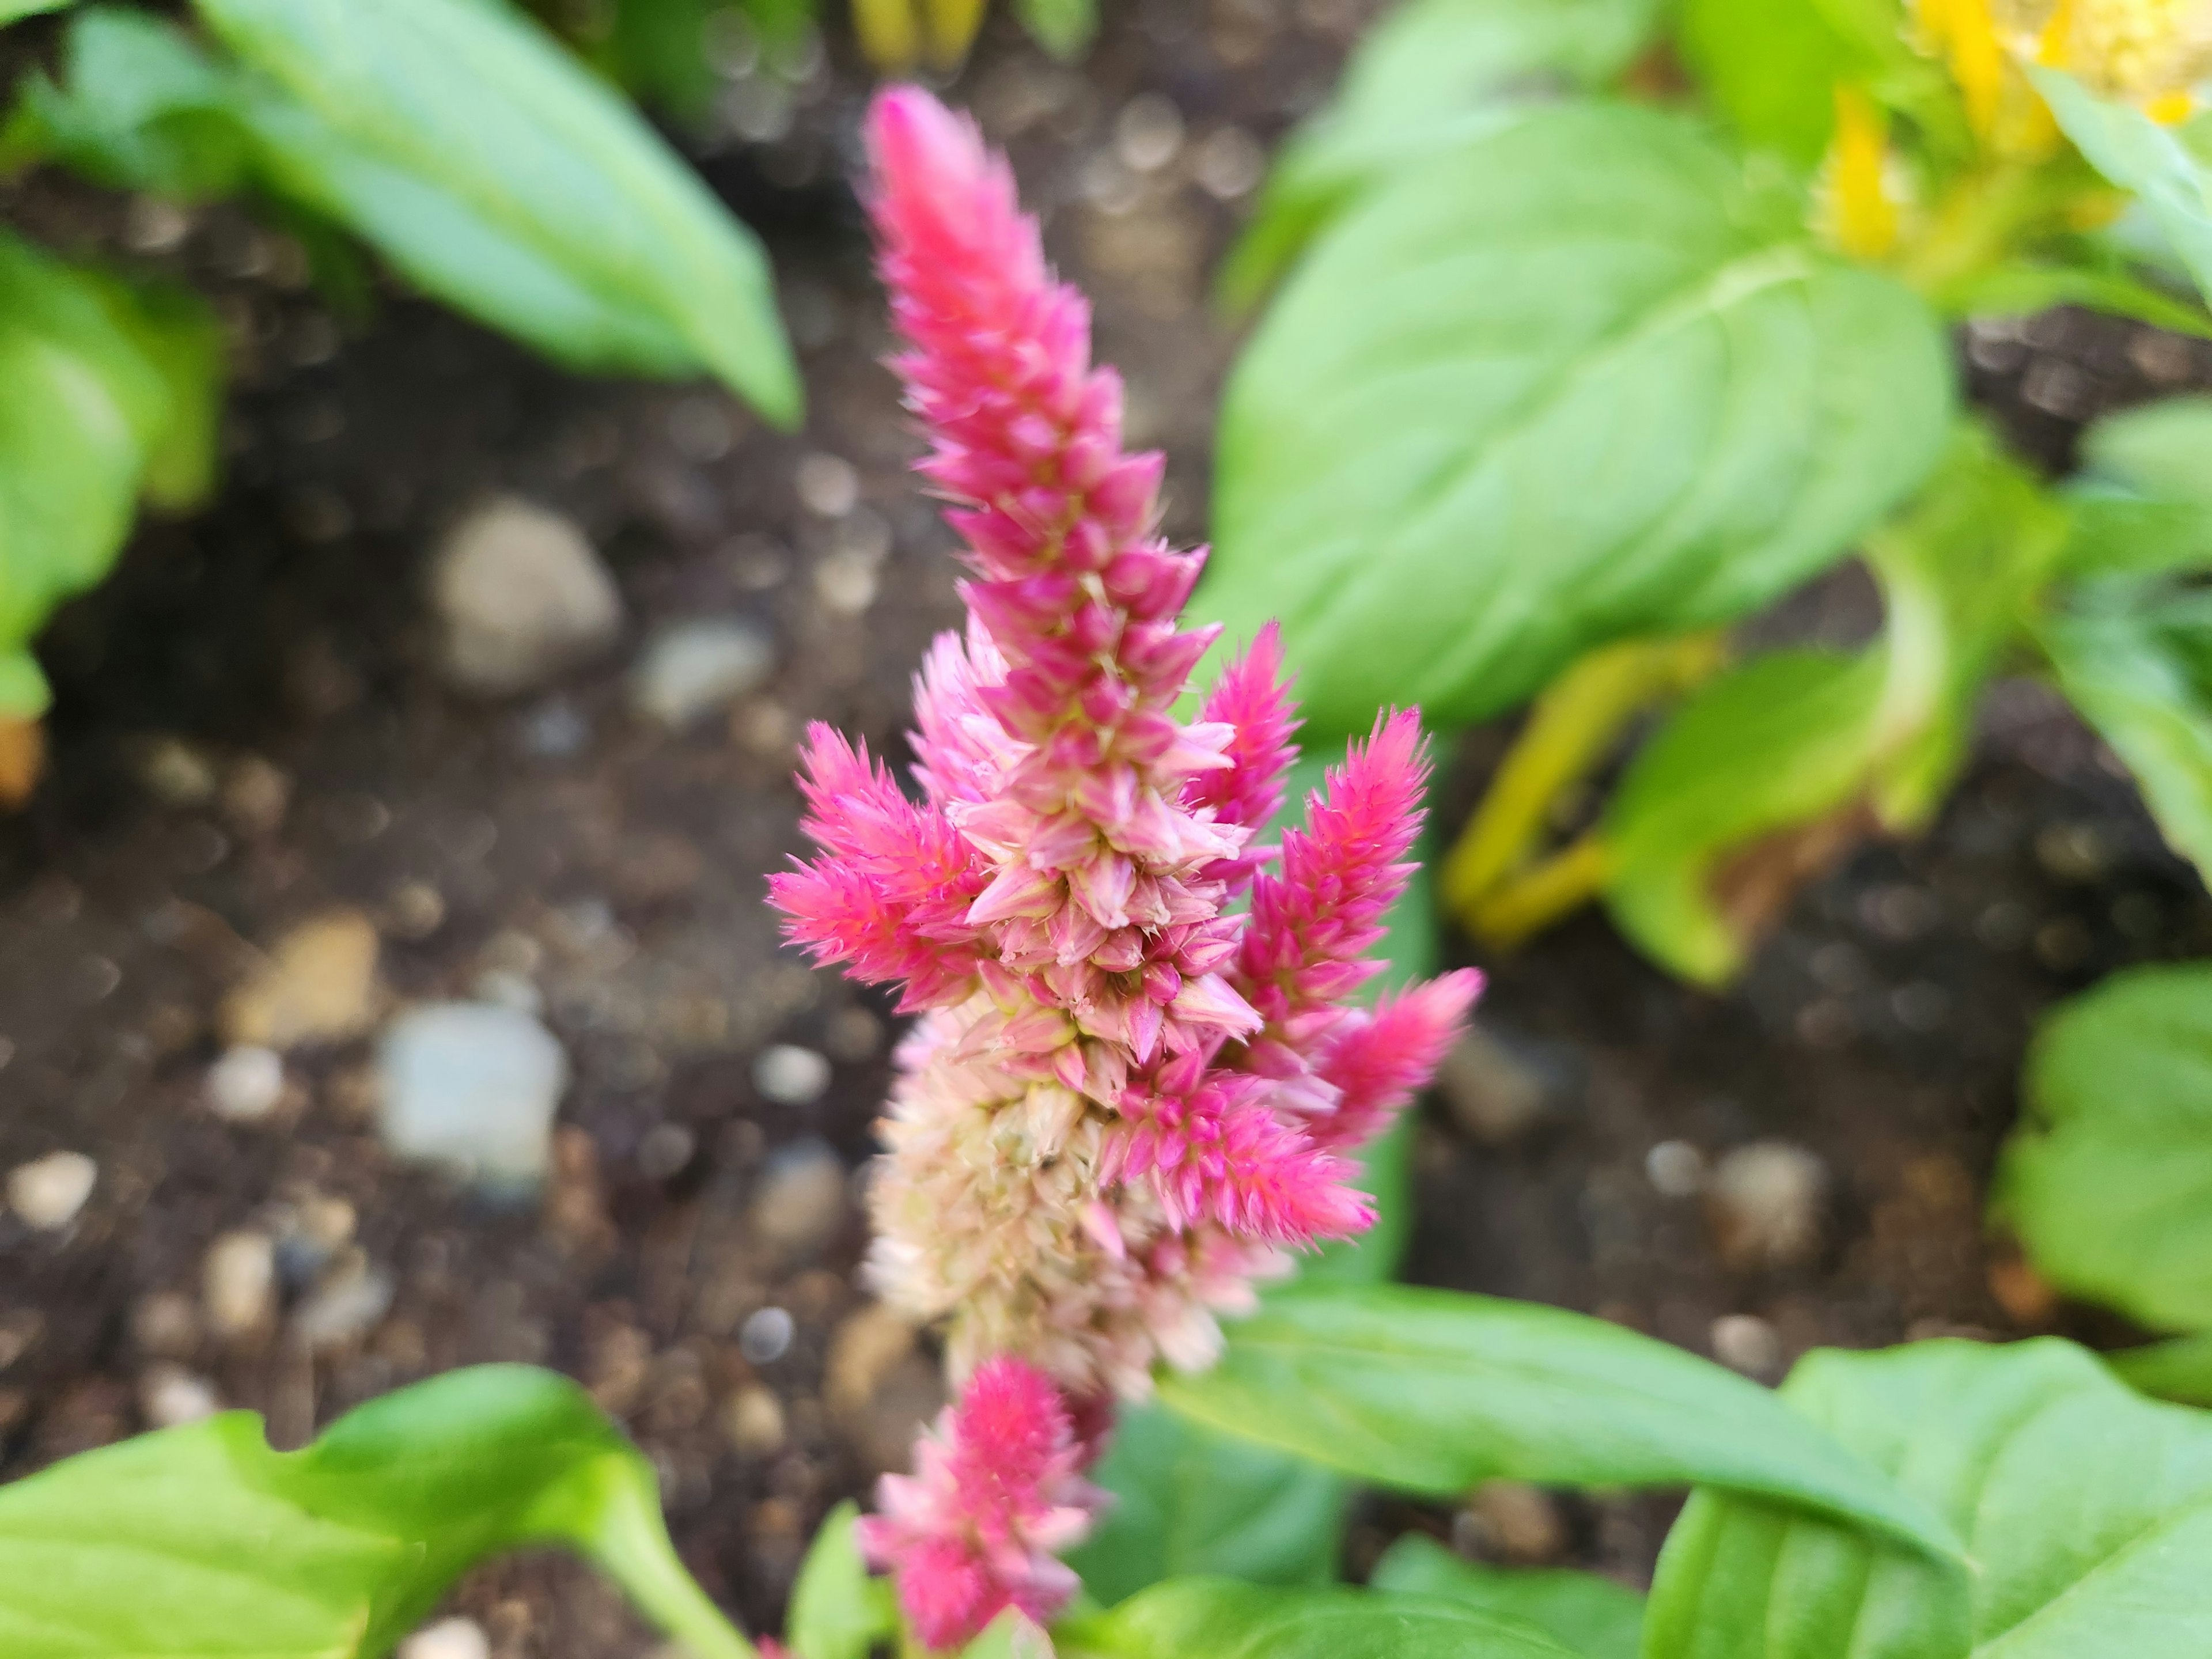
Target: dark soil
620,869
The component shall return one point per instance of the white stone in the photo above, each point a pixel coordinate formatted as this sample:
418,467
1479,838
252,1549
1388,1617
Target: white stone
343,1309
246,1085
473,1087
801,1196
1676,1169
691,669
47,1194
827,485
169,1396
520,596
449,1639
1767,1203
1746,1343
790,1075
238,1282
765,1337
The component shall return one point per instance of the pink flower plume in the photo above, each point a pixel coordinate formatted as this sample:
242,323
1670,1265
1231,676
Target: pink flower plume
994,1498
1378,1062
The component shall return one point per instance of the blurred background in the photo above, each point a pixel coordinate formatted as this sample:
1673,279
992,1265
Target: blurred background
452,737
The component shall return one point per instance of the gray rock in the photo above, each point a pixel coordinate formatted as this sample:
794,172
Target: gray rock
801,1197
691,669
1767,1204
519,596
790,1075
246,1084
47,1194
1494,1095
472,1087
343,1309
1746,1343
765,1337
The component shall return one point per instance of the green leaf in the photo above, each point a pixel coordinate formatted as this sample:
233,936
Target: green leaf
1011,1636
1433,75
1064,28
1410,442
87,412
202,1543
1219,1619
1432,1392
2163,449
24,693
176,333
2135,657
1771,68
837,1611
2179,1370
502,176
1192,1503
1594,1616
2138,155
2022,287
2142,501
2087,1513
10,11
2108,1178
1766,773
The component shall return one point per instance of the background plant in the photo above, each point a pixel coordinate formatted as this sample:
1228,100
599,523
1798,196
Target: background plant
485,164
1594,330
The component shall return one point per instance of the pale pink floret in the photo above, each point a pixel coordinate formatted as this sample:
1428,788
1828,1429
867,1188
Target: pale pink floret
995,1497
1127,1094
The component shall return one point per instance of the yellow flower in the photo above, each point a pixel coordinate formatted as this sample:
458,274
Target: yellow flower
1860,213
2150,53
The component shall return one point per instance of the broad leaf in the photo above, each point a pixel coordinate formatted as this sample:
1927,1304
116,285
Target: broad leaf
1432,74
2021,288
2138,155
12,9
837,1611
2108,1178
1593,1616
1771,68
1432,1392
2179,1370
2087,1513
1560,386
2135,657
1191,1503
202,1543
2163,449
1219,1619
1012,1635
109,393
2142,500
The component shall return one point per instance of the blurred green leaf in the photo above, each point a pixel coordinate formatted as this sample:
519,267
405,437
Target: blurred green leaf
837,1611
10,11
1771,68
2138,155
1064,28
1433,74
2107,1179
2162,449
2087,1513
2179,1370
2022,287
1219,1619
202,1543
23,692
110,393
2142,500
1566,384
1011,1636
1432,1391
2133,655
1593,1616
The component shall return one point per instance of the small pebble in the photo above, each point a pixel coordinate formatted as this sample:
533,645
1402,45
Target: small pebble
256,795
473,1087
317,985
177,773
169,1396
1746,1343
1676,1169
827,485
1516,1521
47,1194
865,1349
664,1151
691,669
1230,164
765,1337
2074,853
520,596
246,1085
800,1200
1494,1096
754,1422
790,1075
239,1283
1148,133
449,1639
1766,1203
342,1310
165,1324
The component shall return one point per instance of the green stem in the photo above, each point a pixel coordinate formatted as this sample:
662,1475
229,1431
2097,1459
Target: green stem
1571,729
1519,908
1983,221
630,1541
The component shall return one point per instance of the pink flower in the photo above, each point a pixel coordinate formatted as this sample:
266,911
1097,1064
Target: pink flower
1127,1094
995,1497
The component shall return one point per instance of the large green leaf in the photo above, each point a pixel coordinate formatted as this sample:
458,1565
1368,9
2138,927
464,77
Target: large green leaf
109,392
1594,1616
2108,1178
2142,500
1432,1392
1220,1618
482,160
838,1611
2135,657
2138,155
1191,1503
1771,769
12,9
202,1543
2179,1370
2087,1513
1432,74
1566,384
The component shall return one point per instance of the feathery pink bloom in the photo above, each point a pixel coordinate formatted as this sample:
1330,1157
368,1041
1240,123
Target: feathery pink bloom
1125,1099
995,1496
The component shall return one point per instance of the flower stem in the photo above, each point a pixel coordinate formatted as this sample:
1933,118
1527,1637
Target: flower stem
1519,908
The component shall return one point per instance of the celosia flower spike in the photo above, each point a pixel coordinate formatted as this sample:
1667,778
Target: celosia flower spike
995,1496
